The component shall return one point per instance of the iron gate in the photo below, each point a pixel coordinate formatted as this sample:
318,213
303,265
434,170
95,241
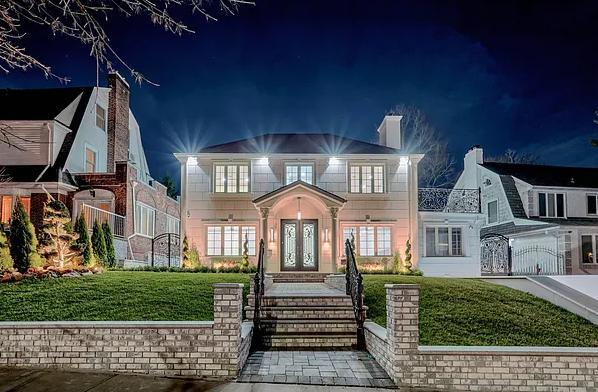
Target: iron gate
538,260
165,250
495,255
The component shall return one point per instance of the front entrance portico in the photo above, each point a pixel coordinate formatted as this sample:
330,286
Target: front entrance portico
300,228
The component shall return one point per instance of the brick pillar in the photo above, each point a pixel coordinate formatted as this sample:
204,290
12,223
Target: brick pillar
228,301
402,328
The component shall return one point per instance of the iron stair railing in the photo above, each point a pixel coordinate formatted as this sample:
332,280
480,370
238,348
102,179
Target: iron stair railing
355,290
258,292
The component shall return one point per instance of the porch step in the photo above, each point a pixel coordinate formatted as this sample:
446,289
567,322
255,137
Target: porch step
303,312
305,301
298,277
319,341
302,327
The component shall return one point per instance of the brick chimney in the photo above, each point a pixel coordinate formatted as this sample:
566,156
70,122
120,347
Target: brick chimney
118,120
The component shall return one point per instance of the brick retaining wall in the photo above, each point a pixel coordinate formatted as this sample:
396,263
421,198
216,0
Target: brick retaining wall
215,349
397,350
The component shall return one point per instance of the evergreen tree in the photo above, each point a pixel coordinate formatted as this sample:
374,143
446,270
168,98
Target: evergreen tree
408,264
59,238
5,258
83,241
168,182
23,241
98,242
245,258
109,239
185,252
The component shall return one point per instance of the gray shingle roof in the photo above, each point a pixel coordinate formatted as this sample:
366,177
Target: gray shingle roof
510,228
575,177
573,221
301,143
508,183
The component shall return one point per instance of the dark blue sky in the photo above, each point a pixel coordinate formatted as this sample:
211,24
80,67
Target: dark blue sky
519,74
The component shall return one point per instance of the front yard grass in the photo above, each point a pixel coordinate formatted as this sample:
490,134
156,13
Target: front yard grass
472,312
115,295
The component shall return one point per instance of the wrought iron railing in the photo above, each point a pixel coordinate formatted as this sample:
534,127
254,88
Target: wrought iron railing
355,290
258,292
449,200
538,260
115,221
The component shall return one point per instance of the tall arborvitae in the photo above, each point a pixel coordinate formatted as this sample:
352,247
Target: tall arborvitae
59,238
83,241
98,242
6,263
23,242
109,240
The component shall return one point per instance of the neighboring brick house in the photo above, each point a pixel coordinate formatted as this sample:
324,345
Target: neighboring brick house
83,146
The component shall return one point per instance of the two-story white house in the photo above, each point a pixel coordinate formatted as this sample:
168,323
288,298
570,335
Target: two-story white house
550,209
305,195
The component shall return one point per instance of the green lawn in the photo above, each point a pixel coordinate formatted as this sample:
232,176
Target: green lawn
452,311
471,312
115,295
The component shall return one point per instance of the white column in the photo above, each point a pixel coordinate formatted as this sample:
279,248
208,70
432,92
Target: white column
334,245
264,211
183,206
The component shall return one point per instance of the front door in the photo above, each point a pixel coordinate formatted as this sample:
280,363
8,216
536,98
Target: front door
299,245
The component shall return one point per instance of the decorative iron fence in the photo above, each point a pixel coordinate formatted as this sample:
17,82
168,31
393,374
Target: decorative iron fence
258,291
165,250
355,290
538,260
449,200
115,221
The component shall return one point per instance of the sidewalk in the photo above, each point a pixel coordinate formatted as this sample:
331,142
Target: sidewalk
27,380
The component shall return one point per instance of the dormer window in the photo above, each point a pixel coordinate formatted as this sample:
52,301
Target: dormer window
231,178
100,117
551,205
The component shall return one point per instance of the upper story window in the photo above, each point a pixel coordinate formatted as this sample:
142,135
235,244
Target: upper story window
172,224
100,117
231,178
369,240
90,160
492,211
145,219
592,204
551,205
444,241
301,171
228,240
366,178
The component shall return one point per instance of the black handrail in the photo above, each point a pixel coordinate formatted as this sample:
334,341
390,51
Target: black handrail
355,290
258,291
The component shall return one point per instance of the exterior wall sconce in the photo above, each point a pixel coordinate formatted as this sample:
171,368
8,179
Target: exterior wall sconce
368,219
272,239
326,238
298,208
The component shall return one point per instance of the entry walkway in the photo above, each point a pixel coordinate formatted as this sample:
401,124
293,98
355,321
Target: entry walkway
334,368
302,290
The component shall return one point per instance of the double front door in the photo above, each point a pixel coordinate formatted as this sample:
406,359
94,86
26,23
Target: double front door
299,245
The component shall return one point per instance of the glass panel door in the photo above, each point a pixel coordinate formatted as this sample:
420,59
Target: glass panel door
289,245
299,245
309,245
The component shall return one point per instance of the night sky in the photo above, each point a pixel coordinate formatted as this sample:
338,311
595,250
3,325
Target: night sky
518,74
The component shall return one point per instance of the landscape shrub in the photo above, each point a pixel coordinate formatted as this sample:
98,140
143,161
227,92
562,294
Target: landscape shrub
109,240
6,263
198,269
58,238
23,242
98,243
84,242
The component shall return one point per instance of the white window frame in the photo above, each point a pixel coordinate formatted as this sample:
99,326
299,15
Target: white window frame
237,177
546,193
488,212
299,165
173,221
98,117
95,154
595,196
228,251
450,240
364,187
594,237
375,246
139,217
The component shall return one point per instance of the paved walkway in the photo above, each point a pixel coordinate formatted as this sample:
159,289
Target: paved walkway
303,290
25,380
335,368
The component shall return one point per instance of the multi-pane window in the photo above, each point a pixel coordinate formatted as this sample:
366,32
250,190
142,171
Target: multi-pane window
592,204
90,160
100,117
492,211
369,240
172,224
366,178
444,241
228,240
145,219
232,178
551,205
296,172
588,248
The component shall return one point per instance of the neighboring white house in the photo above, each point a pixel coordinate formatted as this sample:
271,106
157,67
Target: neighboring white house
542,210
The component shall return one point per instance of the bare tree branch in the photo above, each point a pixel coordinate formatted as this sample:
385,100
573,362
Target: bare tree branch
85,20
437,167
513,156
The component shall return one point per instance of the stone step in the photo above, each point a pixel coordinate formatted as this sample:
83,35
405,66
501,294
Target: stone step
306,301
310,341
303,312
297,277
340,326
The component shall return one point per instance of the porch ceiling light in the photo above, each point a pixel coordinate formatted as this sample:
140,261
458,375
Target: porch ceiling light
298,208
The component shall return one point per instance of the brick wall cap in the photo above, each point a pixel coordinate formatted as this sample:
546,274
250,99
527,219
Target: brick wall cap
376,329
228,285
509,350
401,286
105,324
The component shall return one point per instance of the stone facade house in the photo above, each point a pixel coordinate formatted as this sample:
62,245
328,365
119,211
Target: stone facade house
83,146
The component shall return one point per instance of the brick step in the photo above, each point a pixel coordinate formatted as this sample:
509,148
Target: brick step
298,277
307,312
306,301
282,327
310,341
